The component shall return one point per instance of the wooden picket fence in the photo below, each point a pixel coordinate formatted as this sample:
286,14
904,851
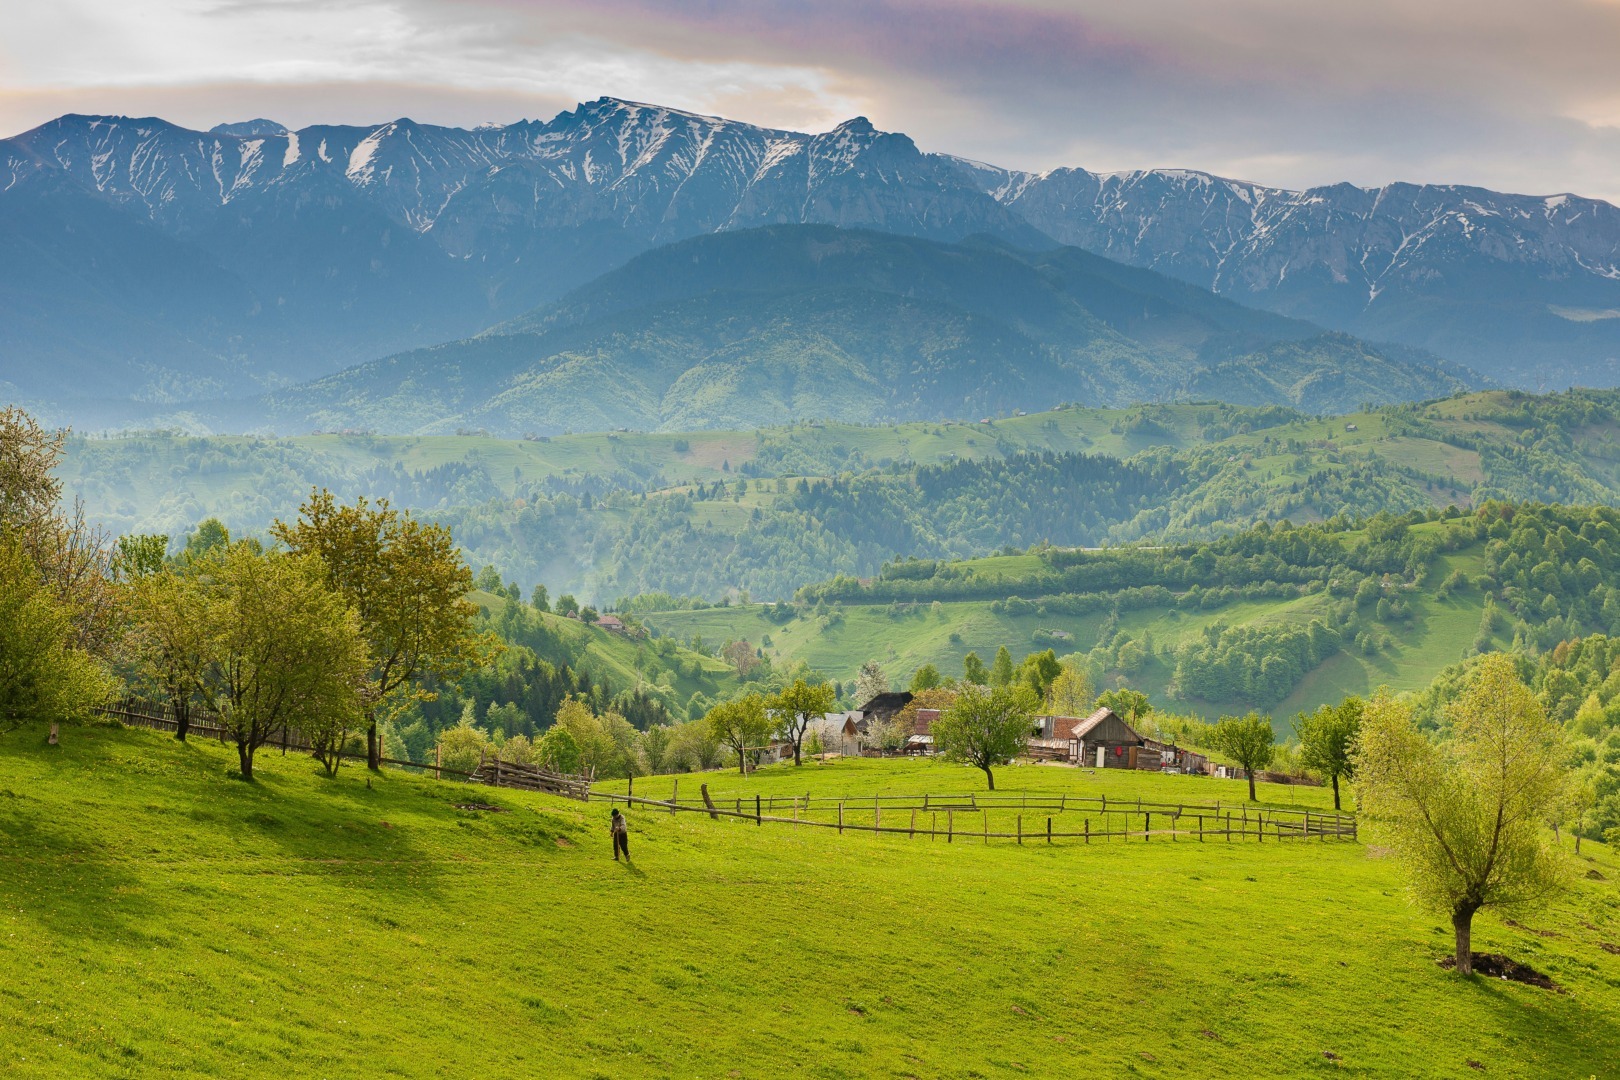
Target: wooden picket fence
968,817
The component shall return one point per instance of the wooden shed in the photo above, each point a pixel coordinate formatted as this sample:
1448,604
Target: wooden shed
1104,741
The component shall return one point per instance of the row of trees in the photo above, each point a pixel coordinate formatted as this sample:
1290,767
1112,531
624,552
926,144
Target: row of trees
332,633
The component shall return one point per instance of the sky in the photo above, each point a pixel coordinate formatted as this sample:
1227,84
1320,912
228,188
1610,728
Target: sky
1516,95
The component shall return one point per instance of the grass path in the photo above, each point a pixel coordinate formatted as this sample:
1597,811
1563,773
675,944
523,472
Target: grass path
159,917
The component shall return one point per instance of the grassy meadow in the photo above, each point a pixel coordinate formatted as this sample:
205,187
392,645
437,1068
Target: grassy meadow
160,917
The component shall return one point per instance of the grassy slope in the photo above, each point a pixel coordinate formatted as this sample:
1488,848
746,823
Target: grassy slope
624,660
160,918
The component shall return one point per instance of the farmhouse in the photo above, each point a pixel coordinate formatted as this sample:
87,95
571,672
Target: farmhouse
611,623
839,732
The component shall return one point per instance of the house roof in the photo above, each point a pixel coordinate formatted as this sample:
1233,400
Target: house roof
1101,716
888,701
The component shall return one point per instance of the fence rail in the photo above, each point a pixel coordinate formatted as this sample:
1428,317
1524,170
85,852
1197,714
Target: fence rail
1176,822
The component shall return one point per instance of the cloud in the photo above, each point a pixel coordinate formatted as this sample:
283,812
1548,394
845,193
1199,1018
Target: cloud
1499,93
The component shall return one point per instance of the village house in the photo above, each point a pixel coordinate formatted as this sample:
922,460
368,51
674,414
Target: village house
839,733
610,623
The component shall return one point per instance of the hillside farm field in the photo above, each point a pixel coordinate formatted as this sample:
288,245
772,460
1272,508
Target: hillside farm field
159,917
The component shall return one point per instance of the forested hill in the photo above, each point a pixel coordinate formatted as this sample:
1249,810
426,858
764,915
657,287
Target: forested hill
1276,617
772,325
766,511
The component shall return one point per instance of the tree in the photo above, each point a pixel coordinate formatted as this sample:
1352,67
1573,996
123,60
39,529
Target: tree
43,674
870,682
1070,693
926,677
541,599
558,751
1038,671
973,670
1001,668
138,555
1468,817
741,656
1248,740
740,724
1127,704
281,650
408,586
1326,738
796,706
985,728
169,635
71,557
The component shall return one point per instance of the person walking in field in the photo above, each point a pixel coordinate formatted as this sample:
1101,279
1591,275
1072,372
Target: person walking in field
620,828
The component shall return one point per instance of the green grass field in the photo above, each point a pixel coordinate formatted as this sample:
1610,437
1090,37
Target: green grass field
159,917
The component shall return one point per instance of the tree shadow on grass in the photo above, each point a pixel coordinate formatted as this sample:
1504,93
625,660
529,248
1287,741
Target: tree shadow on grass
54,876
1530,1016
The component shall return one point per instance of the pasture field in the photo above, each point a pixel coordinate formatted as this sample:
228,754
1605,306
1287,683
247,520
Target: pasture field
160,917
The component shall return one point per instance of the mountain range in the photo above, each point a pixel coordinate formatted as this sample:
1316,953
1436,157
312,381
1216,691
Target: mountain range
141,260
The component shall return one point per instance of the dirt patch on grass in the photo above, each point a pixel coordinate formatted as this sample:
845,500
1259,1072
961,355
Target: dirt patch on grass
488,807
1609,947
1593,875
1497,966
1528,930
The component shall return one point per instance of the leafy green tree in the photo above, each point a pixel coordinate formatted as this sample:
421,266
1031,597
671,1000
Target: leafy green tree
741,724
558,751
1468,817
974,671
43,674
1129,705
796,707
986,727
138,555
926,677
1001,668
1070,693
169,635
1248,740
489,580
463,746
567,605
1038,671
541,599
1326,739
281,650
210,536
407,583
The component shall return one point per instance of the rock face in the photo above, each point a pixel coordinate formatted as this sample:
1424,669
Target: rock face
141,259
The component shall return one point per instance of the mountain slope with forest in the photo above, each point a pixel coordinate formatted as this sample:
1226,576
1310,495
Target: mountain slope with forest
768,326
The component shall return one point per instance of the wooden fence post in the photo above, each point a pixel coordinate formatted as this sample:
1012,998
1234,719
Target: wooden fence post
1088,830
675,795
950,824
840,819
933,825
757,819
913,823
1147,824
1049,829
1020,829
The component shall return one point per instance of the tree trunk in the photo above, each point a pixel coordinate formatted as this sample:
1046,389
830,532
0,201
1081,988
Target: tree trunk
1462,921
182,720
742,762
1250,774
796,743
244,754
989,776
373,747
1335,791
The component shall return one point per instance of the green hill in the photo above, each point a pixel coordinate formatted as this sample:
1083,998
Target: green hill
610,515
158,916
1280,619
793,322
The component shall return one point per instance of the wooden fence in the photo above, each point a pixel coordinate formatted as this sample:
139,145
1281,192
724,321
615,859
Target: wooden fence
491,771
967,817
